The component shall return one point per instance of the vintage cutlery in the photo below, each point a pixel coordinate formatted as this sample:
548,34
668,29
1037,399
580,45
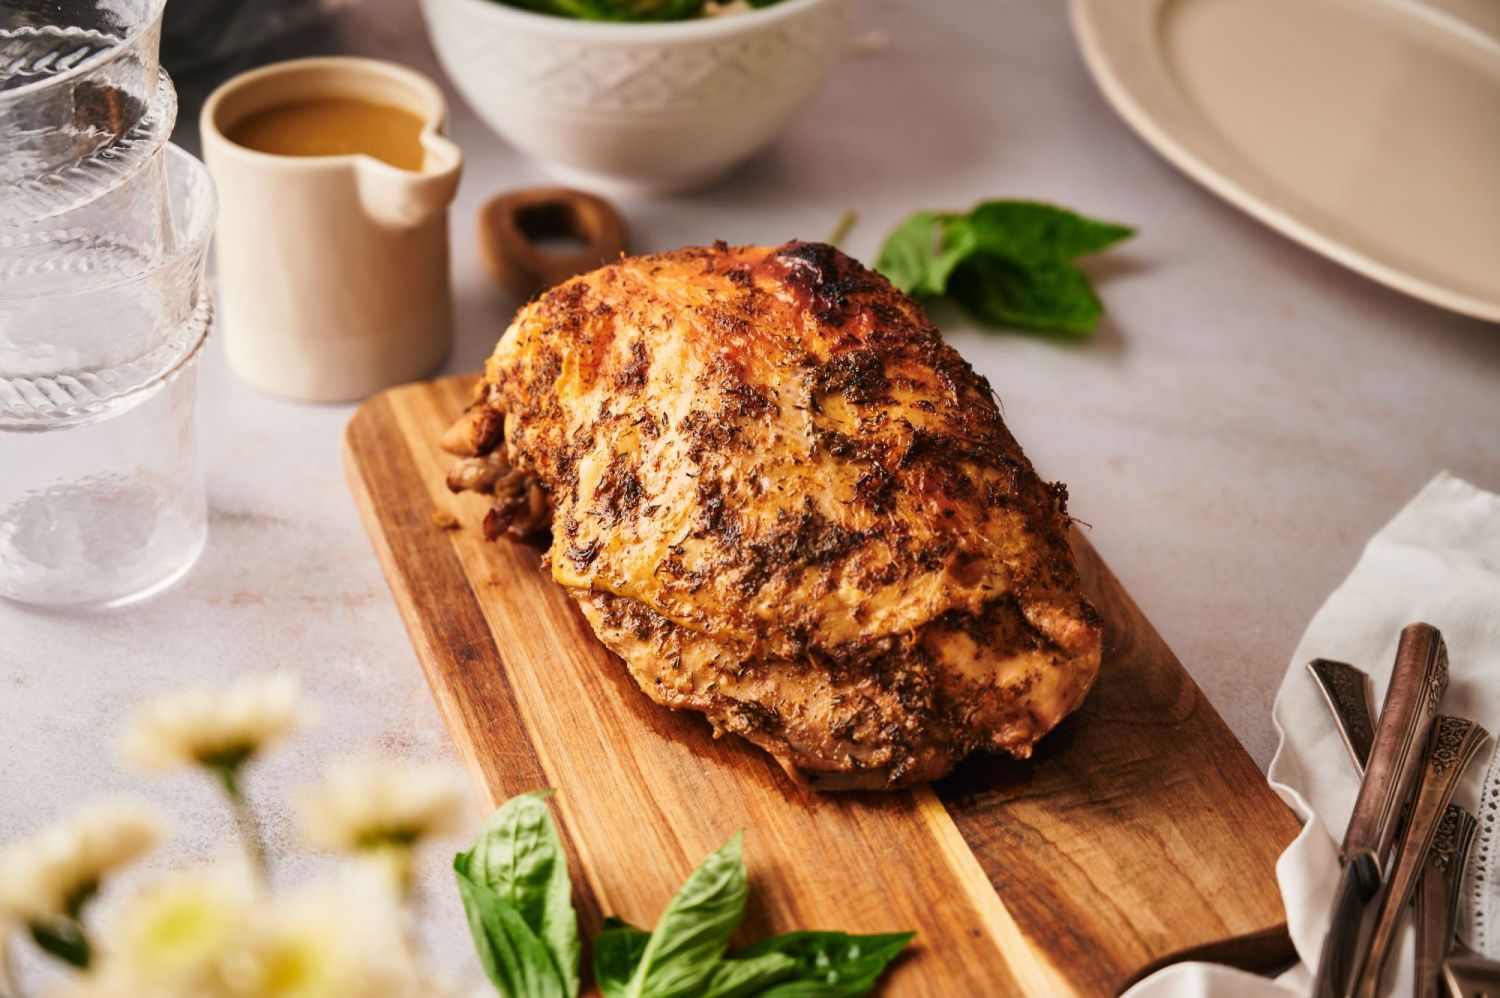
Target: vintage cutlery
1351,698
1453,744
1437,897
1347,691
1444,964
1418,681
1469,975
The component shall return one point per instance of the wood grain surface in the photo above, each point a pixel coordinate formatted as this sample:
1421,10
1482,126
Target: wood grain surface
1139,834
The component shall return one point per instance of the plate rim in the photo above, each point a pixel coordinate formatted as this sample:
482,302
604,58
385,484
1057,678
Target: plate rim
1101,56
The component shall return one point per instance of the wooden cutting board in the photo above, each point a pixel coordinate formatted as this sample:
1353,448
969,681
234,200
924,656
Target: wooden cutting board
1140,833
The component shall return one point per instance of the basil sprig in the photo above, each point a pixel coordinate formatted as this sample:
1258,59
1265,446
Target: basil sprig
514,884
618,949
829,964
1008,263
694,931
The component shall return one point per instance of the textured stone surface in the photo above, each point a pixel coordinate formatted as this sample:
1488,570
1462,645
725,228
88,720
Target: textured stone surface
1248,415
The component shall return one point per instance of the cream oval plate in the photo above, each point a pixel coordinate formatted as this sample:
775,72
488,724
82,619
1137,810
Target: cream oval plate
1369,130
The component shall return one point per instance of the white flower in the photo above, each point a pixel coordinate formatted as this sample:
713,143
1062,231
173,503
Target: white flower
373,803
214,934
96,985
46,878
216,728
337,938
175,936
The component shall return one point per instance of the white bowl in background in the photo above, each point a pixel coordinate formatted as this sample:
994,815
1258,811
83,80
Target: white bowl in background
636,108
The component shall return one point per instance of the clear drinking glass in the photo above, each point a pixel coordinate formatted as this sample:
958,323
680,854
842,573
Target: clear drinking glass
85,113
75,77
101,494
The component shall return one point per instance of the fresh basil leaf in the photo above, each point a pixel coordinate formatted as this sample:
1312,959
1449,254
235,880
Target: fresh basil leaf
958,244
830,964
617,952
1007,262
906,257
514,959
519,857
744,976
694,931
619,946
1033,232
1046,296
920,254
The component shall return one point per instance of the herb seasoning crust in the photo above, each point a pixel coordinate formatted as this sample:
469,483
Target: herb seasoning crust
785,502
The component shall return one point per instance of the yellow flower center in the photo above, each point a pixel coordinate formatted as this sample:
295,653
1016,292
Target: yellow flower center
298,968
178,930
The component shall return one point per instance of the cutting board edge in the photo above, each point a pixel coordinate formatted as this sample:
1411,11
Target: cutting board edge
411,619
1256,950
1036,974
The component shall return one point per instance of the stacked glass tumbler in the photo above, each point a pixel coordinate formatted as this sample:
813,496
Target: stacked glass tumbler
104,226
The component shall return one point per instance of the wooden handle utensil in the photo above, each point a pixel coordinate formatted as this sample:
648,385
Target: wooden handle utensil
515,227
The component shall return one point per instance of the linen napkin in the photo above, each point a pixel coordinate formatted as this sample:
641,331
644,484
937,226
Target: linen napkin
1438,561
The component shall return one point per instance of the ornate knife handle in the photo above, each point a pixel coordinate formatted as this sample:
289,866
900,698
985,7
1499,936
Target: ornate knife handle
1454,743
1347,691
1438,895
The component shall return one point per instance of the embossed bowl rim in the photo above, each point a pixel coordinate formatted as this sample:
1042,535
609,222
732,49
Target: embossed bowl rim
646,32
149,22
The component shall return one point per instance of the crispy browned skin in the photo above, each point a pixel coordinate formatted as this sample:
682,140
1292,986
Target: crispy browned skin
785,502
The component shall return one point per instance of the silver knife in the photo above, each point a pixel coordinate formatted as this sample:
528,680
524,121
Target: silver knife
1418,681
1455,740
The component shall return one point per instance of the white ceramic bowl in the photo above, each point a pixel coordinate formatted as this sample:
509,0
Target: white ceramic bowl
637,108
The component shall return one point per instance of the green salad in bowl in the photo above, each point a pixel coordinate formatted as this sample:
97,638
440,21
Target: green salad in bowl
666,102
637,10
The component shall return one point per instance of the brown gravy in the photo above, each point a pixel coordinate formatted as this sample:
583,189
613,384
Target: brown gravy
334,126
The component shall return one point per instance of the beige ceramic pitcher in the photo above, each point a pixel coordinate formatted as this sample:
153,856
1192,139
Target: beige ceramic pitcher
332,270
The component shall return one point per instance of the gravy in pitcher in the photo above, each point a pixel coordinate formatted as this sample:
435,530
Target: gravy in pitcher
334,126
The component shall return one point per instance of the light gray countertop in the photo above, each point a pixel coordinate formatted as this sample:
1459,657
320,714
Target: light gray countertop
1246,417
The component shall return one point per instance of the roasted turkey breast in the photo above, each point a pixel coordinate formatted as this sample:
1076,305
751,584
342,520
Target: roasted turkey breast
785,502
